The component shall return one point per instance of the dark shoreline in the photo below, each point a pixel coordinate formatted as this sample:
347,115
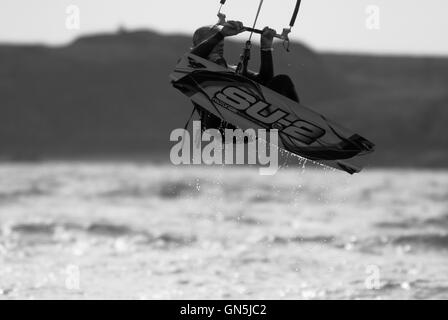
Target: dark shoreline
108,96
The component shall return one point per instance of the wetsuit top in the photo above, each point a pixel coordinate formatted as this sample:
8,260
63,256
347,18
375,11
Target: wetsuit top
266,74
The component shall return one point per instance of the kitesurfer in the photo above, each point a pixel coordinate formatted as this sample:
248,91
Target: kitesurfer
208,43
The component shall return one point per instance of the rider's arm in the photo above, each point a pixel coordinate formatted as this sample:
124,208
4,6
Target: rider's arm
204,49
267,67
267,64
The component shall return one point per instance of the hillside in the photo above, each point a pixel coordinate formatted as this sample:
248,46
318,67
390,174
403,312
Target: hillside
109,95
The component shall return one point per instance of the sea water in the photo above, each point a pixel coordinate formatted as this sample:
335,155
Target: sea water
119,230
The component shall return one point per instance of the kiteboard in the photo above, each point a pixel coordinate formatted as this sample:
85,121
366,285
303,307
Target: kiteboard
246,104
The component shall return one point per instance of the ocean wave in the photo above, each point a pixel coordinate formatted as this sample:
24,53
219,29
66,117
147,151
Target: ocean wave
177,189
426,241
35,233
31,191
163,190
441,221
403,224
415,223
298,239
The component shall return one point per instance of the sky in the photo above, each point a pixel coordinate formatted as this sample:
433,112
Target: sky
367,26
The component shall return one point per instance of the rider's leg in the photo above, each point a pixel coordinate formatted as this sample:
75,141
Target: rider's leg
210,121
284,85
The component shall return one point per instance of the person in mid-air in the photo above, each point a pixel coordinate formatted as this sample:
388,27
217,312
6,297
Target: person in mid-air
208,43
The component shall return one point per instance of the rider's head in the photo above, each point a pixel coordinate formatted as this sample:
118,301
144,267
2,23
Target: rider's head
205,33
